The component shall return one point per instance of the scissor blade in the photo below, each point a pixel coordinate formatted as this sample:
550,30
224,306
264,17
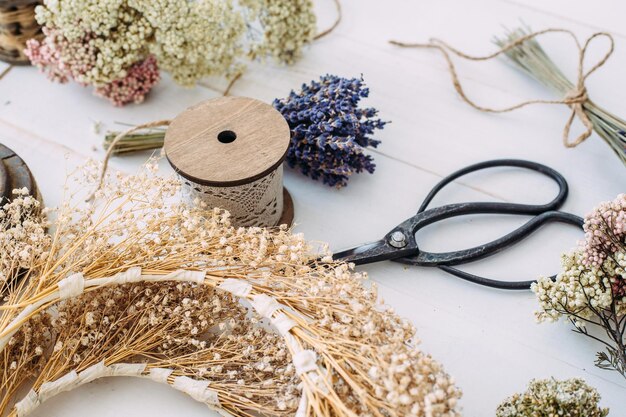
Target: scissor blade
367,253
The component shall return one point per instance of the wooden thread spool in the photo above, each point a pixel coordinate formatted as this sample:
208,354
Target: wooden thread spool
229,152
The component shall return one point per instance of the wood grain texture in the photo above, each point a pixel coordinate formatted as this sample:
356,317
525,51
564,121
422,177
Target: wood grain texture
227,141
487,339
14,174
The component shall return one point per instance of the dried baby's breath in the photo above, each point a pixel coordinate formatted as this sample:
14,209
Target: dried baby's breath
365,362
24,243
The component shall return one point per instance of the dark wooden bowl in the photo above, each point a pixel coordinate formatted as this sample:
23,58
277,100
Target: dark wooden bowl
14,173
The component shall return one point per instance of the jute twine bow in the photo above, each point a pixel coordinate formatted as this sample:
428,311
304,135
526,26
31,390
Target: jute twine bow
575,99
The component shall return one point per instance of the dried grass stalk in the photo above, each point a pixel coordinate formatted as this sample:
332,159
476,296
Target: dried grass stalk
530,57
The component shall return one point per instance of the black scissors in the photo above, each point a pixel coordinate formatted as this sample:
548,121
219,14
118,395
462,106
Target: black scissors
400,245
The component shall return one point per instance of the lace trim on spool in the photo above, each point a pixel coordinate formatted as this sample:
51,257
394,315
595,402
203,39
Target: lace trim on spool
259,203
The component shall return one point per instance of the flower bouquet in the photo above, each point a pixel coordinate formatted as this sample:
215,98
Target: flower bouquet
119,46
591,290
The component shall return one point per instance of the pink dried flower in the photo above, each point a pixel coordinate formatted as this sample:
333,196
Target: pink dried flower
60,59
46,56
133,88
63,60
605,231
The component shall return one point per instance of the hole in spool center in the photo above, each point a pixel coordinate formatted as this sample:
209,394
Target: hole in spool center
226,136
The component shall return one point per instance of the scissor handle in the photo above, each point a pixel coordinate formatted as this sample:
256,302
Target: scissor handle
493,283
424,258
544,213
555,204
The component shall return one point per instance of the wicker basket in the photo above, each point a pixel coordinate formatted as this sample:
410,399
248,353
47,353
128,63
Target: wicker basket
17,25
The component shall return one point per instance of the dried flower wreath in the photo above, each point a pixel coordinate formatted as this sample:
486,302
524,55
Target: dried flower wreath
118,46
591,289
138,284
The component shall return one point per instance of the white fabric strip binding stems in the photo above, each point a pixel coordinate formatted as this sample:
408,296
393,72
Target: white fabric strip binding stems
305,361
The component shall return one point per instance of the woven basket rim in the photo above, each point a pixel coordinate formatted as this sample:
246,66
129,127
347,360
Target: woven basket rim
13,3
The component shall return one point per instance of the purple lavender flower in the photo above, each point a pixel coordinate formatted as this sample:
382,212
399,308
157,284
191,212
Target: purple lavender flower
329,129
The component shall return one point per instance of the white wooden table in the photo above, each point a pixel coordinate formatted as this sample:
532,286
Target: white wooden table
487,339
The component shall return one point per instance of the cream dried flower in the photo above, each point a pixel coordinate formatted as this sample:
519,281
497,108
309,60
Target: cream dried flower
549,398
193,40
99,43
24,243
286,27
591,288
108,37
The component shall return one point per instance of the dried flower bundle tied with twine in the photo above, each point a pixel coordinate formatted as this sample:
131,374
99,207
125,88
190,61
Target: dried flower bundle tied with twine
549,398
244,320
522,48
119,46
330,130
591,289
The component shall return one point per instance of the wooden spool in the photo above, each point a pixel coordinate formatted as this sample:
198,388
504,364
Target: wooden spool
17,25
14,173
229,152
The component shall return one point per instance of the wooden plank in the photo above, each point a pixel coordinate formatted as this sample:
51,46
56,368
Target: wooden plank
603,15
487,339
449,313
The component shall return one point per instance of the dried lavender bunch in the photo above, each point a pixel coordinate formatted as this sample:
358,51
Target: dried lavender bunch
534,61
329,129
591,289
549,397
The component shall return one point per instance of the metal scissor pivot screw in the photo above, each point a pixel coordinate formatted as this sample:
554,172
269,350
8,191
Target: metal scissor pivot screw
397,239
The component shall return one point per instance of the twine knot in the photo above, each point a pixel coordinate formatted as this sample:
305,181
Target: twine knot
576,96
575,99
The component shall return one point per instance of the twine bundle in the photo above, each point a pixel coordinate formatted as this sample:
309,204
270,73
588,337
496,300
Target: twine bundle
137,284
521,46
